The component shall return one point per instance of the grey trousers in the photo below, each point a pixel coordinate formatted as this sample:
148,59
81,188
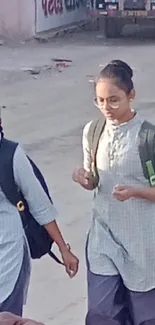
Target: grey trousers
14,303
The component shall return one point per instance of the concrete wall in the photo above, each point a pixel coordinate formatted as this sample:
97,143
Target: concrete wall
56,13
17,19
21,19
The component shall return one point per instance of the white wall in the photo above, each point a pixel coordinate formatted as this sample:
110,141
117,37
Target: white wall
56,13
20,19
17,18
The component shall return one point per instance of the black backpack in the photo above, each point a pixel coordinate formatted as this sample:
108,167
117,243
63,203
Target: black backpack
146,148
40,243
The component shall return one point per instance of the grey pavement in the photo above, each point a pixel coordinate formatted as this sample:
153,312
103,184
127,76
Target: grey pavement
46,113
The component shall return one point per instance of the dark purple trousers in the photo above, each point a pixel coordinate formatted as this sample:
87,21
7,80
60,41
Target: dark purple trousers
111,303
14,303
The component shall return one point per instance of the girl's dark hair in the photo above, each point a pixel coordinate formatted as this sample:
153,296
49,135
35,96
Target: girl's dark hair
120,72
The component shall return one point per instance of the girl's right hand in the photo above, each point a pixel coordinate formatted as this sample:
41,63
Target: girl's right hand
71,263
84,178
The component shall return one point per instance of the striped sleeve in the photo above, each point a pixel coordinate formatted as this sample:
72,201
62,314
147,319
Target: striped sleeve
39,204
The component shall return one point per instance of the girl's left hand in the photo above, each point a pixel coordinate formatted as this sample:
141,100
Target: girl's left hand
123,193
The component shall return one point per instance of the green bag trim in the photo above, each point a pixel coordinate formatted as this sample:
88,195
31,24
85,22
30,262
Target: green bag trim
151,172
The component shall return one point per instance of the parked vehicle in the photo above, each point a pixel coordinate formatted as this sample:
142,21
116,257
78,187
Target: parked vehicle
115,14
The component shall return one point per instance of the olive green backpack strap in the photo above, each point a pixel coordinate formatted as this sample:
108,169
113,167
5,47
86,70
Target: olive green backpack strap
147,151
95,130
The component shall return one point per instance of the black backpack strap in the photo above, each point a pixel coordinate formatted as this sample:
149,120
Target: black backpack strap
52,255
95,130
94,134
147,151
7,150
40,177
96,137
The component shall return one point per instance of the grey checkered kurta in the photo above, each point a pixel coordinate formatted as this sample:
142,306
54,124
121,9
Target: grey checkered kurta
122,234
12,237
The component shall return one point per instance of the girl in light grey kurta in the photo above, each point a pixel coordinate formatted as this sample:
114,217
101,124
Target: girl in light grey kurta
121,243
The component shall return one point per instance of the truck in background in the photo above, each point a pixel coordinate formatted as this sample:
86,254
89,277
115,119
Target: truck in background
117,13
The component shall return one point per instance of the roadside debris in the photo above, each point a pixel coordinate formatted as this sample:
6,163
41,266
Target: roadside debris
91,78
100,36
61,63
33,71
2,42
